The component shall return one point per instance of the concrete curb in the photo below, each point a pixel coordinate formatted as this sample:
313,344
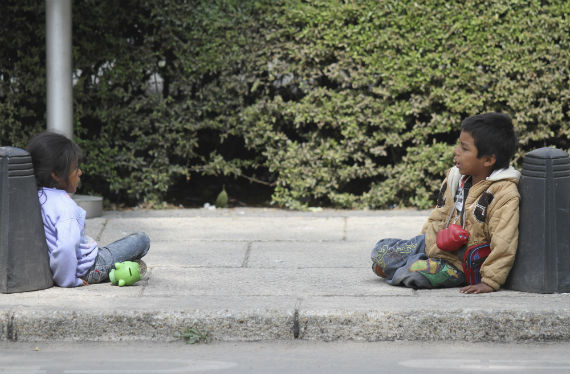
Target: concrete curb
160,326
156,326
454,325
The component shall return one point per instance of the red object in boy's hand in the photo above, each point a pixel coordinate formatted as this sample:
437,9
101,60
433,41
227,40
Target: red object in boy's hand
451,238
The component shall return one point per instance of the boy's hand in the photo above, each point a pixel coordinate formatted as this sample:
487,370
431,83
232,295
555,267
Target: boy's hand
476,288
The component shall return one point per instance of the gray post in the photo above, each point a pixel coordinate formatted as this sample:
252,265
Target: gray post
58,67
24,259
542,263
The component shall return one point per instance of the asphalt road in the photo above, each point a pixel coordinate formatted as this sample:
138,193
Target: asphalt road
284,357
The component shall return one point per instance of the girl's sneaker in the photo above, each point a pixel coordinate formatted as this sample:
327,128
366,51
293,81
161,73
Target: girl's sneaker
142,267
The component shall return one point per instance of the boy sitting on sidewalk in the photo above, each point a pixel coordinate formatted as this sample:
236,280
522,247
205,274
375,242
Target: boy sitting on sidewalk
479,195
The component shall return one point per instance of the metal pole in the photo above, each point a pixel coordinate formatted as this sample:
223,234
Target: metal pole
58,67
60,84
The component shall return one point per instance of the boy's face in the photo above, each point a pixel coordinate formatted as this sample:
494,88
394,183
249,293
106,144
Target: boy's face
466,159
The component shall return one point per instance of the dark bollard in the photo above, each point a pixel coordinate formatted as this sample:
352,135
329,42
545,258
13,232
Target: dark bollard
24,259
542,263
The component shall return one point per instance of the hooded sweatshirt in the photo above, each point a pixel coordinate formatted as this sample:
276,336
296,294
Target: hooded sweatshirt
491,216
71,252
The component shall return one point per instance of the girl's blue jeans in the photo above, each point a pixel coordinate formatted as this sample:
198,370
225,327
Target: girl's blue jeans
130,248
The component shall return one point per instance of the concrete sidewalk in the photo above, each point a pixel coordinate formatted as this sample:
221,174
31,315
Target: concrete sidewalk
259,274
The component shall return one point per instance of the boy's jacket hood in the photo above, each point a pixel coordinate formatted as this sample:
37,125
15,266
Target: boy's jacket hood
508,173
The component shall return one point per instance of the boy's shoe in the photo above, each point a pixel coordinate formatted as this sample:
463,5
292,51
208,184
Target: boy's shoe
142,267
378,270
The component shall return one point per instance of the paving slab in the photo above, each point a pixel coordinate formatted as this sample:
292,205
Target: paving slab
197,253
228,228
94,227
372,229
265,282
310,254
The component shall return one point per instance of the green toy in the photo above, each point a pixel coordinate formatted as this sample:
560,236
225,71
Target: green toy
126,273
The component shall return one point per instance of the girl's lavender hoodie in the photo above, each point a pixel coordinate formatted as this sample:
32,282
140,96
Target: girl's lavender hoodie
71,252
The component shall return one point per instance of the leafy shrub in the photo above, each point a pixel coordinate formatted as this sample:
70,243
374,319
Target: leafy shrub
342,104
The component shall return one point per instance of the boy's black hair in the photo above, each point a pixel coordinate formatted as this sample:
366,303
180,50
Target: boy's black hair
493,134
55,153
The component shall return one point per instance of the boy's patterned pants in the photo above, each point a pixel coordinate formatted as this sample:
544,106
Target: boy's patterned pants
405,263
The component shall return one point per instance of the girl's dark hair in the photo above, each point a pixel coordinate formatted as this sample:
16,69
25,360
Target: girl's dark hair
493,134
55,153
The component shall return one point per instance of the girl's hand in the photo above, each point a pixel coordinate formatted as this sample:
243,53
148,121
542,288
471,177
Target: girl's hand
476,288
85,282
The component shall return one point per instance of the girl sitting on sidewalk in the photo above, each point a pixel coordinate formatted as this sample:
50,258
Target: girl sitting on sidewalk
75,258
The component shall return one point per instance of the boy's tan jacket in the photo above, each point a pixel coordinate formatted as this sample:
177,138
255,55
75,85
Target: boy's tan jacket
491,215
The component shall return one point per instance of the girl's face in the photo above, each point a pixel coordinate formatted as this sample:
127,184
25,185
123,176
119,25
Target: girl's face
73,179
466,159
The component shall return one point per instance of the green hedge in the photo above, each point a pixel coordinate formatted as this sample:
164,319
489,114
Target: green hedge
328,103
